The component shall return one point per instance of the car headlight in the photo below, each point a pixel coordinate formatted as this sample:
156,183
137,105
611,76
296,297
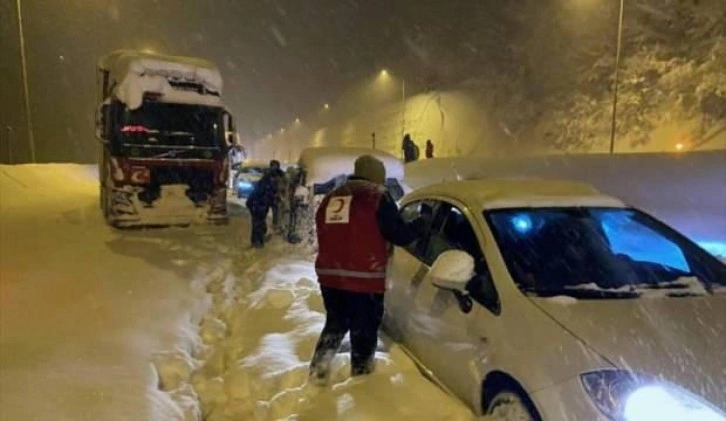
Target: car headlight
244,185
626,396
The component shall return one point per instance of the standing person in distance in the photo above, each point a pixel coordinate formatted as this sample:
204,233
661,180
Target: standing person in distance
279,181
356,224
410,150
429,149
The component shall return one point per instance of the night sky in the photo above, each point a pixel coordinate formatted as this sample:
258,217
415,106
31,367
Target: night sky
279,58
283,59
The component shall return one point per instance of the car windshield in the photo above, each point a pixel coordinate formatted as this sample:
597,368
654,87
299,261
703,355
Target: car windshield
172,124
601,253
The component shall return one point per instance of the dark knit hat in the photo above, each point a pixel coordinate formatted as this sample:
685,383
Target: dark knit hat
370,168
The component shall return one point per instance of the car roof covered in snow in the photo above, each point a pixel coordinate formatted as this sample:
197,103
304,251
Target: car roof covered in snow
518,193
324,163
256,163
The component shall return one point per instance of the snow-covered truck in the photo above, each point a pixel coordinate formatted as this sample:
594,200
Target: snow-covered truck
165,137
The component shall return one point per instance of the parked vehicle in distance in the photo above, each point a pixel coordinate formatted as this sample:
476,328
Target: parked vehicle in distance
247,175
319,170
164,136
547,300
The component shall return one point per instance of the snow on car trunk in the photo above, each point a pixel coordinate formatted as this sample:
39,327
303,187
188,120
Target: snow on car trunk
259,337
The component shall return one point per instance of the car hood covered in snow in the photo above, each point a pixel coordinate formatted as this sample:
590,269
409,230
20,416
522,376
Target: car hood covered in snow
681,340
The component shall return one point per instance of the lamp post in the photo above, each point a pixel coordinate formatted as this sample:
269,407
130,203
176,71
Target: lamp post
403,108
616,75
384,73
24,76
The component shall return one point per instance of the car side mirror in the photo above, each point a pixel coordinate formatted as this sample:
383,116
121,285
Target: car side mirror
452,270
231,139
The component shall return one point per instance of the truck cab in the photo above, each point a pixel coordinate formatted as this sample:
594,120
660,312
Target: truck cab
165,137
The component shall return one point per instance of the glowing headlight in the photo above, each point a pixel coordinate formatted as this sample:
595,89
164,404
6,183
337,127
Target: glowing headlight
626,396
244,185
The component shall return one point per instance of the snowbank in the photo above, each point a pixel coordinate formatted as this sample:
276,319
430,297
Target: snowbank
688,190
83,308
259,337
325,163
136,73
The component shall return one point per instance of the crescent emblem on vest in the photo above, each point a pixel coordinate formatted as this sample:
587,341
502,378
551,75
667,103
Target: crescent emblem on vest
341,205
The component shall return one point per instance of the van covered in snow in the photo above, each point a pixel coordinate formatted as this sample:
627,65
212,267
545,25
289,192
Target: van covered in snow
165,135
321,169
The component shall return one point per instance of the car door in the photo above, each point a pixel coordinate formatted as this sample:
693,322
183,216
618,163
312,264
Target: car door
450,330
404,265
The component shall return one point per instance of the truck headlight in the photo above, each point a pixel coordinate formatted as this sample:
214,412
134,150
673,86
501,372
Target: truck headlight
626,396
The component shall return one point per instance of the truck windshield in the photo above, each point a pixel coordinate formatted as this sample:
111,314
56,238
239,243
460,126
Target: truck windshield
160,124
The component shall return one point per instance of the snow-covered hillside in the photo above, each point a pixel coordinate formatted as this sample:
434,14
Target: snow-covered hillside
167,324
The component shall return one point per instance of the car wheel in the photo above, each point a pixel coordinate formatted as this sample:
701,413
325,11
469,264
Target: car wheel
512,405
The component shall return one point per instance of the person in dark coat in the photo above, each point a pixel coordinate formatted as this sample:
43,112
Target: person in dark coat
279,182
429,149
259,202
356,224
410,149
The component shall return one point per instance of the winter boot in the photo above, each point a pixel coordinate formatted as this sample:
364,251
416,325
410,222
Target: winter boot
362,369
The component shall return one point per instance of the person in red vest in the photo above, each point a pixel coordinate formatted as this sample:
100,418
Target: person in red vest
356,224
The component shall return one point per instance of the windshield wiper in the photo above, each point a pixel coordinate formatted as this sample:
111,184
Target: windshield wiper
584,293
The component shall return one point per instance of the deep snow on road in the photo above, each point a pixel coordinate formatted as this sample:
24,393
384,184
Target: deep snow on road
257,339
83,307
88,315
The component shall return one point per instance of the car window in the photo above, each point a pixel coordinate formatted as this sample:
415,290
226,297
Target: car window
639,242
454,231
600,253
413,211
394,187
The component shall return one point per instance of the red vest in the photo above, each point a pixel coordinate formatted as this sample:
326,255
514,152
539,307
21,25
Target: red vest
352,253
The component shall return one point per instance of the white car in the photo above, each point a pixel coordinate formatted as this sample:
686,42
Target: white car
547,300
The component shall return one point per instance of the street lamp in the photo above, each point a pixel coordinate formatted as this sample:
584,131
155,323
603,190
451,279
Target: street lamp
616,74
384,73
24,75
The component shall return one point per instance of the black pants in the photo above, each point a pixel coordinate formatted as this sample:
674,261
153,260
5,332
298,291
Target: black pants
259,226
359,313
275,215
